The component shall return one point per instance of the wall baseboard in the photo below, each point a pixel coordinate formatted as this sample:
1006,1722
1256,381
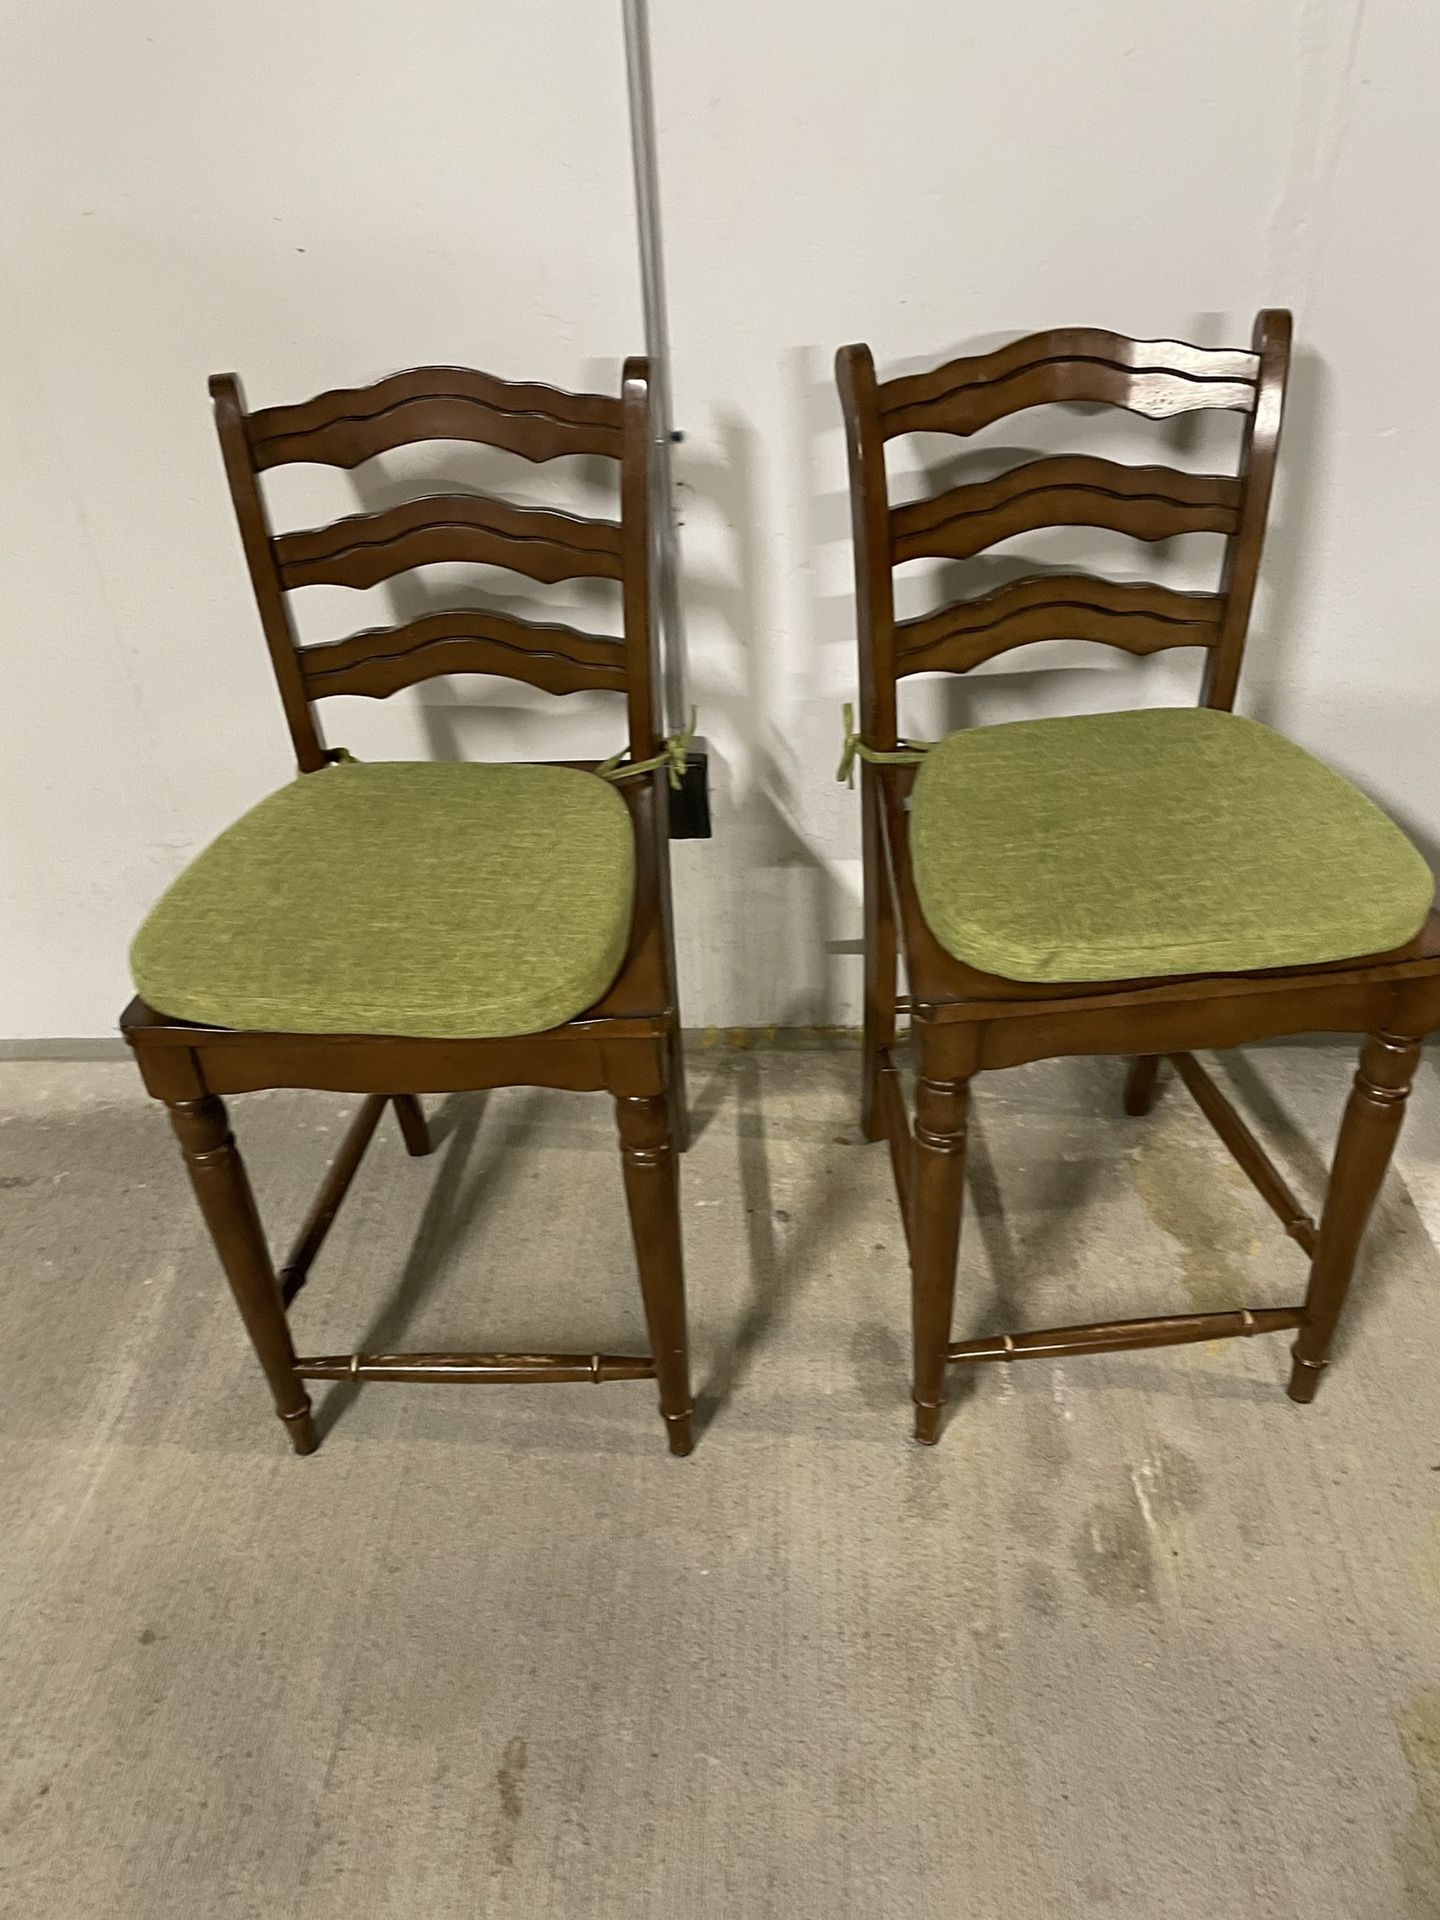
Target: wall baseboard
107,1047
701,1039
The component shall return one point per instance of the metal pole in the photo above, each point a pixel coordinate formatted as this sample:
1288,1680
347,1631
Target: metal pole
657,346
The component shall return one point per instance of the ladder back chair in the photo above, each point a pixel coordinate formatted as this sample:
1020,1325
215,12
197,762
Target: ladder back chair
1146,882
396,929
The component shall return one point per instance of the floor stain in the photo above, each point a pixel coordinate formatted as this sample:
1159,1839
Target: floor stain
1117,1551
1196,1206
1167,1484
1114,1557
1417,1844
508,1776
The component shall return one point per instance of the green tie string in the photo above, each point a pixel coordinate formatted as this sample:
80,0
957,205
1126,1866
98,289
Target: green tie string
671,756
908,753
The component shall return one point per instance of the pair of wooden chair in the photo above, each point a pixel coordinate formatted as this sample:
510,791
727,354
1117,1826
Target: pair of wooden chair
1146,883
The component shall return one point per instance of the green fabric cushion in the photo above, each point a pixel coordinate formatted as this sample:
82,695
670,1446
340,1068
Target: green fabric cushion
1175,840
430,899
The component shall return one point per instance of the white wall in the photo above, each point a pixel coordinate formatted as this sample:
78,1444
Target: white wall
320,194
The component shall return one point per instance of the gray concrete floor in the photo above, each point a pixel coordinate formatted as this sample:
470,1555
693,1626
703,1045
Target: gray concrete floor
1139,1638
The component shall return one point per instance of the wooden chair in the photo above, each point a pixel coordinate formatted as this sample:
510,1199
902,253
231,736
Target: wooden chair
1277,899
414,923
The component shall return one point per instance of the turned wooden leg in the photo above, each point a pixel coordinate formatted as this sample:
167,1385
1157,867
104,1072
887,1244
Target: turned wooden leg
1367,1134
652,1193
936,1196
1140,1083
413,1128
222,1187
880,964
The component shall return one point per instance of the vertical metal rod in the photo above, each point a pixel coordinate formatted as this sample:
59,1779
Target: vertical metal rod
657,346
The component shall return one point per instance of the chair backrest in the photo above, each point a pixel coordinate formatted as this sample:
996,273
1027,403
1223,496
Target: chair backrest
351,425
1157,378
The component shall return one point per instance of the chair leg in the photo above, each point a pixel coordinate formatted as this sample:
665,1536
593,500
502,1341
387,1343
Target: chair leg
1368,1132
936,1198
1140,1083
880,962
413,1127
222,1188
652,1193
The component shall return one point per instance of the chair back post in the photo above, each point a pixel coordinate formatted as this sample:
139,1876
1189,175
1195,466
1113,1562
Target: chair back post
1271,341
637,537
270,598
870,530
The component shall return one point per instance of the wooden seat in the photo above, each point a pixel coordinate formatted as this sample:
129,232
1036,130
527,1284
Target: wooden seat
965,1020
575,880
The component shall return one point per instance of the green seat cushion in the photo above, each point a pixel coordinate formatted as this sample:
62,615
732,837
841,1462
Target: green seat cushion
1176,840
428,899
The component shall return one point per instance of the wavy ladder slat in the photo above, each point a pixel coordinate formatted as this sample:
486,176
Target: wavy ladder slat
1157,378
382,660
369,547
347,425
1148,503
1062,606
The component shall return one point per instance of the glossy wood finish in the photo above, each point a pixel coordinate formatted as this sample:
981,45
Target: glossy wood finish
1126,1336
222,1188
1148,503
382,660
1158,378
647,1151
1247,1152
935,1200
964,1021
1367,1137
352,424
366,548
470,1369
1055,606
327,1202
629,1043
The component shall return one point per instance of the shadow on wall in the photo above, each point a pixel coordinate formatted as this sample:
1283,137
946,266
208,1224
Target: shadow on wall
1275,657
776,900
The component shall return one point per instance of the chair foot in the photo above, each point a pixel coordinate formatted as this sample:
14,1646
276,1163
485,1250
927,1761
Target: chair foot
413,1127
1305,1379
300,1426
1140,1083
927,1424
677,1427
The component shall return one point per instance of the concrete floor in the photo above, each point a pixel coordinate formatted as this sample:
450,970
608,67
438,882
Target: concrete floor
1139,1639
